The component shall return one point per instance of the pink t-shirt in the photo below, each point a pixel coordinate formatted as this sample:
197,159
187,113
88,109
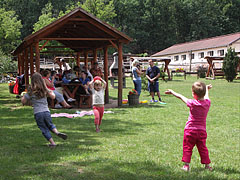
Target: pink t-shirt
198,114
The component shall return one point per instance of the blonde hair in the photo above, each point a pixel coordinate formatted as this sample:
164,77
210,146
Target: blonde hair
38,86
97,82
135,62
199,88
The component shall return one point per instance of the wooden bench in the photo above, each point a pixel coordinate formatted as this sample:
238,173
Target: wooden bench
114,80
85,101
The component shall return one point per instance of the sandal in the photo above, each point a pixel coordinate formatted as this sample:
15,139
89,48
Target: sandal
62,135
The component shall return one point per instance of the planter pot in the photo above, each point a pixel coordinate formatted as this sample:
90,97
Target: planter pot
133,100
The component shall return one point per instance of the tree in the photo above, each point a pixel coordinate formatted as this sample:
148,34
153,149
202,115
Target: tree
45,19
9,30
230,64
6,64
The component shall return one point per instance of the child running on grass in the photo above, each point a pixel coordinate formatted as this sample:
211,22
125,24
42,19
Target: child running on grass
195,129
98,86
37,94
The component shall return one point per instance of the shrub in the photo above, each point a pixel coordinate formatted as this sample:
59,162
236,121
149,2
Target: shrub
230,64
202,70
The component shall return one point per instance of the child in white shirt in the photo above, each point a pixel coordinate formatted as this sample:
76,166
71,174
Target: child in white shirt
98,86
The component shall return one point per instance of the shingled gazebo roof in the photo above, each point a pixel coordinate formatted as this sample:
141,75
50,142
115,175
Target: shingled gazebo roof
79,31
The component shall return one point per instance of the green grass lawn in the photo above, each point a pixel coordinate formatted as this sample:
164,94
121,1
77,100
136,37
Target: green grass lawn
143,142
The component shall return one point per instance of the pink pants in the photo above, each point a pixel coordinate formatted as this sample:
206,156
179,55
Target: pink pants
98,113
192,138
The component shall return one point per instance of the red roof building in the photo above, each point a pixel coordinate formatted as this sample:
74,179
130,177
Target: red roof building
195,51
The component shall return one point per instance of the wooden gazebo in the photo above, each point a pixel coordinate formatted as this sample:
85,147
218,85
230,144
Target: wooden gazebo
79,31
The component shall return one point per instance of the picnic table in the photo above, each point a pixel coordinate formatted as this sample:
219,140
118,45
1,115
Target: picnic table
211,68
71,89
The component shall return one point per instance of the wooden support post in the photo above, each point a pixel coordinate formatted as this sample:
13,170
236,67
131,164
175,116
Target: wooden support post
78,59
94,57
120,75
22,63
31,61
105,50
86,59
19,64
26,64
37,57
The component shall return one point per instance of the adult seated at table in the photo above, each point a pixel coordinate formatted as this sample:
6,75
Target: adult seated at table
96,70
89,75
85,81
50,85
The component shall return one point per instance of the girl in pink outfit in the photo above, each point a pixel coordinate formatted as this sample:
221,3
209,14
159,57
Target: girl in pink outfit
195,129
98,86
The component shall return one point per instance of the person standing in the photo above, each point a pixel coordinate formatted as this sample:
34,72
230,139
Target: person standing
152,74
195,130
136,73
98,86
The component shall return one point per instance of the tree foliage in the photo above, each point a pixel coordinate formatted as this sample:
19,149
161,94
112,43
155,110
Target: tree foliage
9,30
153,24
7,64
230,64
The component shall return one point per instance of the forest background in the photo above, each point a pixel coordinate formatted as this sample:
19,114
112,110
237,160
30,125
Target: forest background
153,24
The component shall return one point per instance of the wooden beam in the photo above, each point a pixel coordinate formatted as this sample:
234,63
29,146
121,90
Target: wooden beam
78,19
43,45
79,39
120,75
31,60
113,44
51,47
37,57
55,52
105,52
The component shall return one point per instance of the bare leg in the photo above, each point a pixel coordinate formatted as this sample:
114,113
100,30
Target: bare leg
65,104
52,142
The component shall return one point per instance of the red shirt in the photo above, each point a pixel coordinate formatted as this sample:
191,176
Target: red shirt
51,88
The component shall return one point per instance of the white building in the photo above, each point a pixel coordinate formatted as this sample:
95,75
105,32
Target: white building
194,52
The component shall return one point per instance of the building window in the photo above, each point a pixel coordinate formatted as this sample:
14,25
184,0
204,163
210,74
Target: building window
201,55
192,56
221,52
176,58
210,53
183,57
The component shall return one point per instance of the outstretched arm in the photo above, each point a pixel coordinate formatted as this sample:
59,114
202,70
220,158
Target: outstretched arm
179,96
208,87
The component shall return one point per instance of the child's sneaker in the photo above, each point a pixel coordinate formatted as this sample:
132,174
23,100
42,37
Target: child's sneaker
58,106
186,168
97,130
62,135
161,102
71,100
153,100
